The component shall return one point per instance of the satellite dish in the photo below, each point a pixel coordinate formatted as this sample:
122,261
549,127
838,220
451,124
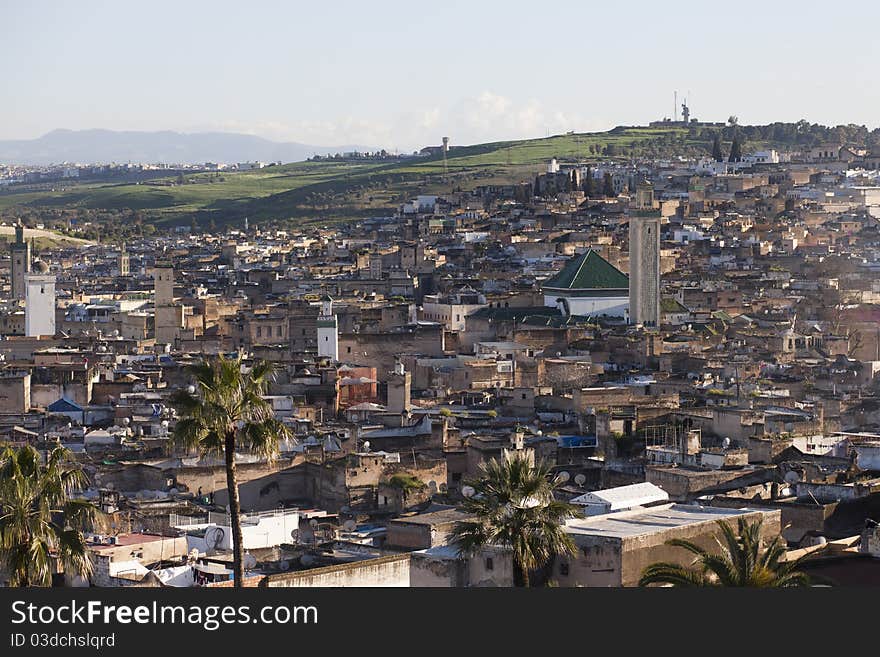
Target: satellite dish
468,491
580,479
366,445
432,486
194,554
294,534
284,564
250,561
214,537
725,443
313,523
562,477
307,560
349,525
792,477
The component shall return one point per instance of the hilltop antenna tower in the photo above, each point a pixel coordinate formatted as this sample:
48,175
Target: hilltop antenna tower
445,148
675,106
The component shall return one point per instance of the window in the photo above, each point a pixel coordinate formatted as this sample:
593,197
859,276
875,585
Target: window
524,395
490,564
563,569
348,350
259,332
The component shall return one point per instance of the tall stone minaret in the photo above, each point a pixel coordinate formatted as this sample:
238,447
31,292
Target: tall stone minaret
644,267
20,254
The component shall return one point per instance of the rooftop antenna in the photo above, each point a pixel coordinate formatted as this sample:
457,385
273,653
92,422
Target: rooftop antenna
675,106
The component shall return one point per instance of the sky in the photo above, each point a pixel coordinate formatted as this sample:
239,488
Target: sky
400,75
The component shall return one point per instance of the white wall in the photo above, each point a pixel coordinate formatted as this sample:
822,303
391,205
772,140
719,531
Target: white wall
256,532
589,306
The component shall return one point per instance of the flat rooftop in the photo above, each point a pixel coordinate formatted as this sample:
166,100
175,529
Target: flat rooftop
644,522
439,517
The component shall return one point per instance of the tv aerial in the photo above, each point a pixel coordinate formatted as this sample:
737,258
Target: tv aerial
580,479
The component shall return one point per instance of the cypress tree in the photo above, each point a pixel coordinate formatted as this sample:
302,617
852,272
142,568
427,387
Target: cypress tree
588,182
717,153
735,150
608,186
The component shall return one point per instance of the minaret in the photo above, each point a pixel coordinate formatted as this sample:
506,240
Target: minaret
168,316
39,309
644,267
399,389
20,258
328,336
123,262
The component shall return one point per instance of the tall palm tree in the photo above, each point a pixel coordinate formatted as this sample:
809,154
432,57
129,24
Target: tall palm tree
39,522
741,561
514,508
222,412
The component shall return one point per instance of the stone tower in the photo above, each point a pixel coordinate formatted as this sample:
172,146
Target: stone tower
20,262
328,336
39,309
123,262
399,388
169,317
644,268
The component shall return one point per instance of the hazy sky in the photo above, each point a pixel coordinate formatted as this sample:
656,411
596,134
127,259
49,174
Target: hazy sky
403,74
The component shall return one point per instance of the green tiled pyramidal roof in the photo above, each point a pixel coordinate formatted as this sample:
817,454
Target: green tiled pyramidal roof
588,271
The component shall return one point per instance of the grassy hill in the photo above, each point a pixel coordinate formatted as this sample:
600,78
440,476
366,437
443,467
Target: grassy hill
325,190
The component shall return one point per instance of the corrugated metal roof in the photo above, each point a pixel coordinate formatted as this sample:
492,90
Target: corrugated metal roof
624,497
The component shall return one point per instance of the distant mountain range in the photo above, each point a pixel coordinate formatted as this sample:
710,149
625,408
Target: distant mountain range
104,146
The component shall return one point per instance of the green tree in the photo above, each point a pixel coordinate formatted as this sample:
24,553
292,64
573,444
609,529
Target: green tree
514,508
588,182
39,522
717,153
735,150
740,561
224,412
608,186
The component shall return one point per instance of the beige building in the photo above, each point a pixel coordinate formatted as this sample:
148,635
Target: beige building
613,549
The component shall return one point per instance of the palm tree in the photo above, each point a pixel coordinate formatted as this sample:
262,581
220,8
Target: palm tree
39,521
514,508
223,412
740,562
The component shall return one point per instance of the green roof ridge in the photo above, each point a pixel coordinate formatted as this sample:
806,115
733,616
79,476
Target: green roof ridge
588,271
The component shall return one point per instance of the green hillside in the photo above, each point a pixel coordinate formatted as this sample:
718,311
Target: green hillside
328,190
